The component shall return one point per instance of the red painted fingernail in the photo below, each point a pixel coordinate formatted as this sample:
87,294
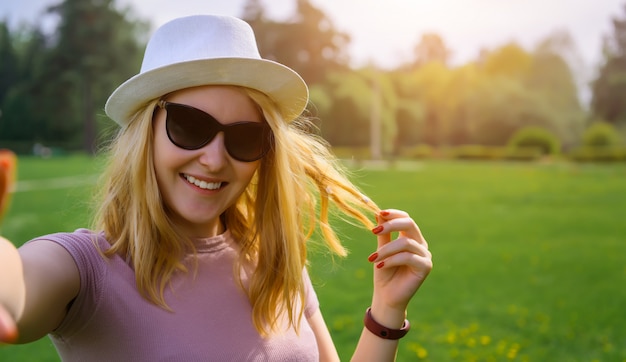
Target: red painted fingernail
10,337
384,213
373,257
380,265
377,229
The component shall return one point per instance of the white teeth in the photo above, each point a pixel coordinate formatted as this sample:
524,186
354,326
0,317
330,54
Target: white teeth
203,184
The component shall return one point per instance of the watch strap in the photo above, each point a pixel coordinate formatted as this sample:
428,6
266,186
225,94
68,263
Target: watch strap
382,331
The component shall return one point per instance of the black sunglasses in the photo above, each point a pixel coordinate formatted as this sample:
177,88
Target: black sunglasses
190,128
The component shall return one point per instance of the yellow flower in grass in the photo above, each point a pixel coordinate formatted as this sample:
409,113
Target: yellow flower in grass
513,351
485,340
420,351
471,342
451,337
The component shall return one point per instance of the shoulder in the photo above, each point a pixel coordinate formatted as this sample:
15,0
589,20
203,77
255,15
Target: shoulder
81,240
83,246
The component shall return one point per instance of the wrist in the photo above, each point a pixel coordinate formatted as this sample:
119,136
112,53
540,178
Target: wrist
388,316
382,331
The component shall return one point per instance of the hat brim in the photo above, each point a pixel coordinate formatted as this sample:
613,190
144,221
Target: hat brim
283,85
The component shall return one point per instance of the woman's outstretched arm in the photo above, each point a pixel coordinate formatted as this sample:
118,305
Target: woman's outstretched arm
38,282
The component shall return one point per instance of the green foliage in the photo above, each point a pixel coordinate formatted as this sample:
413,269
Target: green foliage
601,143
475,152
601,134
599,154
410,122
535,137
53,86
352,153
417,152
357,98
427,87
522,154
609,87
61,80
494,153
310,44
431,48
509,61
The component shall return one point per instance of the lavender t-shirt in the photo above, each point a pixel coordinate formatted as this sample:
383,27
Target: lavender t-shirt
211,318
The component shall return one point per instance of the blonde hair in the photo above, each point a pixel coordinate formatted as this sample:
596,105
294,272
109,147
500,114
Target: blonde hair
297,185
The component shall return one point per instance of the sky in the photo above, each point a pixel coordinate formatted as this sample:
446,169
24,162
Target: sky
384,32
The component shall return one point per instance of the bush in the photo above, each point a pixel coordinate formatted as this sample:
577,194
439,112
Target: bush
523,154
599,154
352,153
601,134
537,138
476,152
417,152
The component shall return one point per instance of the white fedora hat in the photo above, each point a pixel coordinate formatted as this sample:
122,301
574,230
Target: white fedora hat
204,50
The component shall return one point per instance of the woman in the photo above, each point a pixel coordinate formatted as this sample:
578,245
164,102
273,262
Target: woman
212,189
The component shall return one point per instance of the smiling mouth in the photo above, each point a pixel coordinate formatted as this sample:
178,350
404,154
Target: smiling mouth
203,184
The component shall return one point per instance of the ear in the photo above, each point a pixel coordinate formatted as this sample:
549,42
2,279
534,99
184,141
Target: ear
8,167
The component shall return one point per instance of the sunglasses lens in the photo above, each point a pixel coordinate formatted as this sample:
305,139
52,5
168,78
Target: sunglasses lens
187,127
247,141
190,128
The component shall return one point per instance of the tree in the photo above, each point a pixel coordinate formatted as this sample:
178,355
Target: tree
22,102
309,43
8,62
510,61
427,87
609,88
62,79
93,38
347,119
431,48
551,76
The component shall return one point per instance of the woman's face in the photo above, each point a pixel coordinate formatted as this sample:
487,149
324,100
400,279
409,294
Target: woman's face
199,185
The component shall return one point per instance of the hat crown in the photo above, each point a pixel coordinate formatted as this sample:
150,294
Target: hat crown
199,37
206,50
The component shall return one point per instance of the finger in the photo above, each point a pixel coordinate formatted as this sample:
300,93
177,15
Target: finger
421,265
8,329
8,167
402,223
400,245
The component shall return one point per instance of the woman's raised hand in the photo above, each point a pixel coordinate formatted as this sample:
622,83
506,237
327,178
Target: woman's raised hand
400,265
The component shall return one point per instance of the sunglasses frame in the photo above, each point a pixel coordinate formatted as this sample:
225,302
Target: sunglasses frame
264,130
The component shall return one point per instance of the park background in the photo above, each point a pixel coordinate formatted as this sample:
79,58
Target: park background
511,159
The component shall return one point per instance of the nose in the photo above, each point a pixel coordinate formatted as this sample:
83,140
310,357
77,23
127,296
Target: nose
213,155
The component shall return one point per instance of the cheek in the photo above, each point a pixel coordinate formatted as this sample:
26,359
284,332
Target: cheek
246,173
164,154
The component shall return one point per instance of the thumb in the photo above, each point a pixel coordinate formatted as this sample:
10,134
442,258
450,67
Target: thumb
8,167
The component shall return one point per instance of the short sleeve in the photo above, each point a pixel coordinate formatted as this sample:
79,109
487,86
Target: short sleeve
83,245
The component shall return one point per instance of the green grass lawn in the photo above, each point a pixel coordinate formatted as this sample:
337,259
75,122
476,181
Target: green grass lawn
530,259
